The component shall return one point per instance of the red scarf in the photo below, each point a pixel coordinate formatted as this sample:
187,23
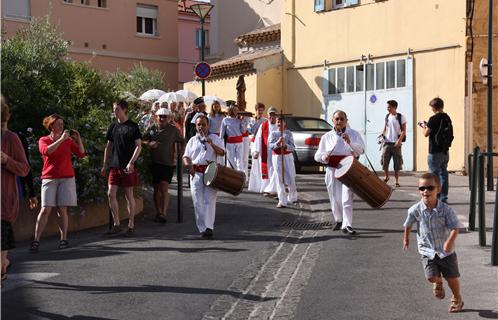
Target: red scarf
264,146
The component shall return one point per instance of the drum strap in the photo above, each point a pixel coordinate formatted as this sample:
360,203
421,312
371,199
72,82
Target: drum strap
200,168
371,166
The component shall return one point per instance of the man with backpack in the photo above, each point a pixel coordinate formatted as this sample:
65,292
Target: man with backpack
439,129
394,134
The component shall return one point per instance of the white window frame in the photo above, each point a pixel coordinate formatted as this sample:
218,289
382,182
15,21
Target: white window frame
148,12
319,5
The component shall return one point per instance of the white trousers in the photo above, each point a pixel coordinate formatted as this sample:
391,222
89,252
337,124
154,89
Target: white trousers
246,141
234,155
289,178
204,199
341,199
256,181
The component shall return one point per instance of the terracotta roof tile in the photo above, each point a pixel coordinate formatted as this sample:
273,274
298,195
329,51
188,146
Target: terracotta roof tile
262,35
242,63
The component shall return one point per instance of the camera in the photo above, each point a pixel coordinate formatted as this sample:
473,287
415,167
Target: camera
422,123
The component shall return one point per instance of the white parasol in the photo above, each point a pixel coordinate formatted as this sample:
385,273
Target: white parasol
188,95
152,95
171,97
208,100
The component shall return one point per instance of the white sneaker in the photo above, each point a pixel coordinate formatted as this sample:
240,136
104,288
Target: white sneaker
281,205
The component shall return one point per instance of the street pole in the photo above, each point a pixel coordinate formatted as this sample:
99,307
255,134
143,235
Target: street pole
202,56
490,179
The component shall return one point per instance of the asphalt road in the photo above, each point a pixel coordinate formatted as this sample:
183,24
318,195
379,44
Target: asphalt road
264,263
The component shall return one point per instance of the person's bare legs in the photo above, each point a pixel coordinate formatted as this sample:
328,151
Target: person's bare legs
164,185
5,261
113,203
130,201
157,199
454,285
41,221
386,175
62,221
396,175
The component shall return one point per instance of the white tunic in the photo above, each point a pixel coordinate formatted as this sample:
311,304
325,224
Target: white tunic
256,182
204,198
340,196
289,171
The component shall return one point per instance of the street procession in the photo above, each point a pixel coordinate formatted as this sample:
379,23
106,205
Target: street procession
226,161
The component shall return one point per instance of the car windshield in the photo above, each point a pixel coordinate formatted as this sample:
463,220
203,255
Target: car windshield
308,124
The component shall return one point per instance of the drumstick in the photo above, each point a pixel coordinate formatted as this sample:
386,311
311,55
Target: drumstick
282,147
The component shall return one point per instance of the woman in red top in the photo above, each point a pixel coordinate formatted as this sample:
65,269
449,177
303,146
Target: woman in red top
58,183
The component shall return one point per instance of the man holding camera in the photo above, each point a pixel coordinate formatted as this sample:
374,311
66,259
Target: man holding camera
394,134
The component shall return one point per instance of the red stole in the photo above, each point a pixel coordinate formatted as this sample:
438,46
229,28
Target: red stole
265,130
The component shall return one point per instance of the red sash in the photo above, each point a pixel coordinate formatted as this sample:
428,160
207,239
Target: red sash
334,160
234,139
245,134
280,151
264,149
200,168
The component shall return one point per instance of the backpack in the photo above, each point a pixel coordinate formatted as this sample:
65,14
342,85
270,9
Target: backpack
444,136
398,117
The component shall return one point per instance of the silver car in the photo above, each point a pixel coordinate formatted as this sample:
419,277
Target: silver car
307,132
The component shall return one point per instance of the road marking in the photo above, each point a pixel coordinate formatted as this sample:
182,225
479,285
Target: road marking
16,280
270,287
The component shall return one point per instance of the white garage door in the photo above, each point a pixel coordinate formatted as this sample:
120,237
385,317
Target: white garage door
363,94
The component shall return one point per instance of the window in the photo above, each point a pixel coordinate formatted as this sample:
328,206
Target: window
319,5
332,87
102,3
85,2
370,76
379,76
359,78
336,4
147,20
198,43
350,79
17,9
340,80
68,1
400,72
390,74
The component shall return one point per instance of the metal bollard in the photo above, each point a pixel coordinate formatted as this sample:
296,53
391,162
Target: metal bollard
470,158
473,191
481,201
179,179
111,220
494,243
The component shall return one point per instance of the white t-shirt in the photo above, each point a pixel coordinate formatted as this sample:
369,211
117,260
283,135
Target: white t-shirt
393,129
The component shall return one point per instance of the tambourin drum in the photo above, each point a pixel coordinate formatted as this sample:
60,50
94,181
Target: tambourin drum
363,182
224,178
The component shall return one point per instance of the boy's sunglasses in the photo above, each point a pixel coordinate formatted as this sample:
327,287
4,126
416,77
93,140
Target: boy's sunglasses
429,188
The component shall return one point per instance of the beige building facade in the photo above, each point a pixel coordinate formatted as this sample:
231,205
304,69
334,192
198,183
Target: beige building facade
354,55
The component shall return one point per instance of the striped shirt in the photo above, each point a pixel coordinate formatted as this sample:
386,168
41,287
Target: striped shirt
433,227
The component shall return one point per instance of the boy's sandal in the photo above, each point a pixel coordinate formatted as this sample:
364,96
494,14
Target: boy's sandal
438,290
397,185
34,246
4,276
63,244
456,305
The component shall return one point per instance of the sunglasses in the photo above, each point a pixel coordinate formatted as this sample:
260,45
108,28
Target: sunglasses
163,117
428,188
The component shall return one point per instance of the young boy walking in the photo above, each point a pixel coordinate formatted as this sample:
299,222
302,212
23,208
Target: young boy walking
437,229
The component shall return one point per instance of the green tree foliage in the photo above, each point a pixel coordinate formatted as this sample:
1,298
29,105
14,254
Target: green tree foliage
39,79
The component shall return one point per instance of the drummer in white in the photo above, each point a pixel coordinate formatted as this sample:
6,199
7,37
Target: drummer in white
199,152
336,144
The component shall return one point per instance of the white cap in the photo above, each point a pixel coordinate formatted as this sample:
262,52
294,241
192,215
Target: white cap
163,112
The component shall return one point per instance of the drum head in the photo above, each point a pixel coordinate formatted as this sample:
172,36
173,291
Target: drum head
210,173
344,166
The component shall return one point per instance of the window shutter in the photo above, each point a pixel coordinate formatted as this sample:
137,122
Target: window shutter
147,12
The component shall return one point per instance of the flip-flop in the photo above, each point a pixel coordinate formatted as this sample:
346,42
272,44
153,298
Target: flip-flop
386,179
456,306
398,185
